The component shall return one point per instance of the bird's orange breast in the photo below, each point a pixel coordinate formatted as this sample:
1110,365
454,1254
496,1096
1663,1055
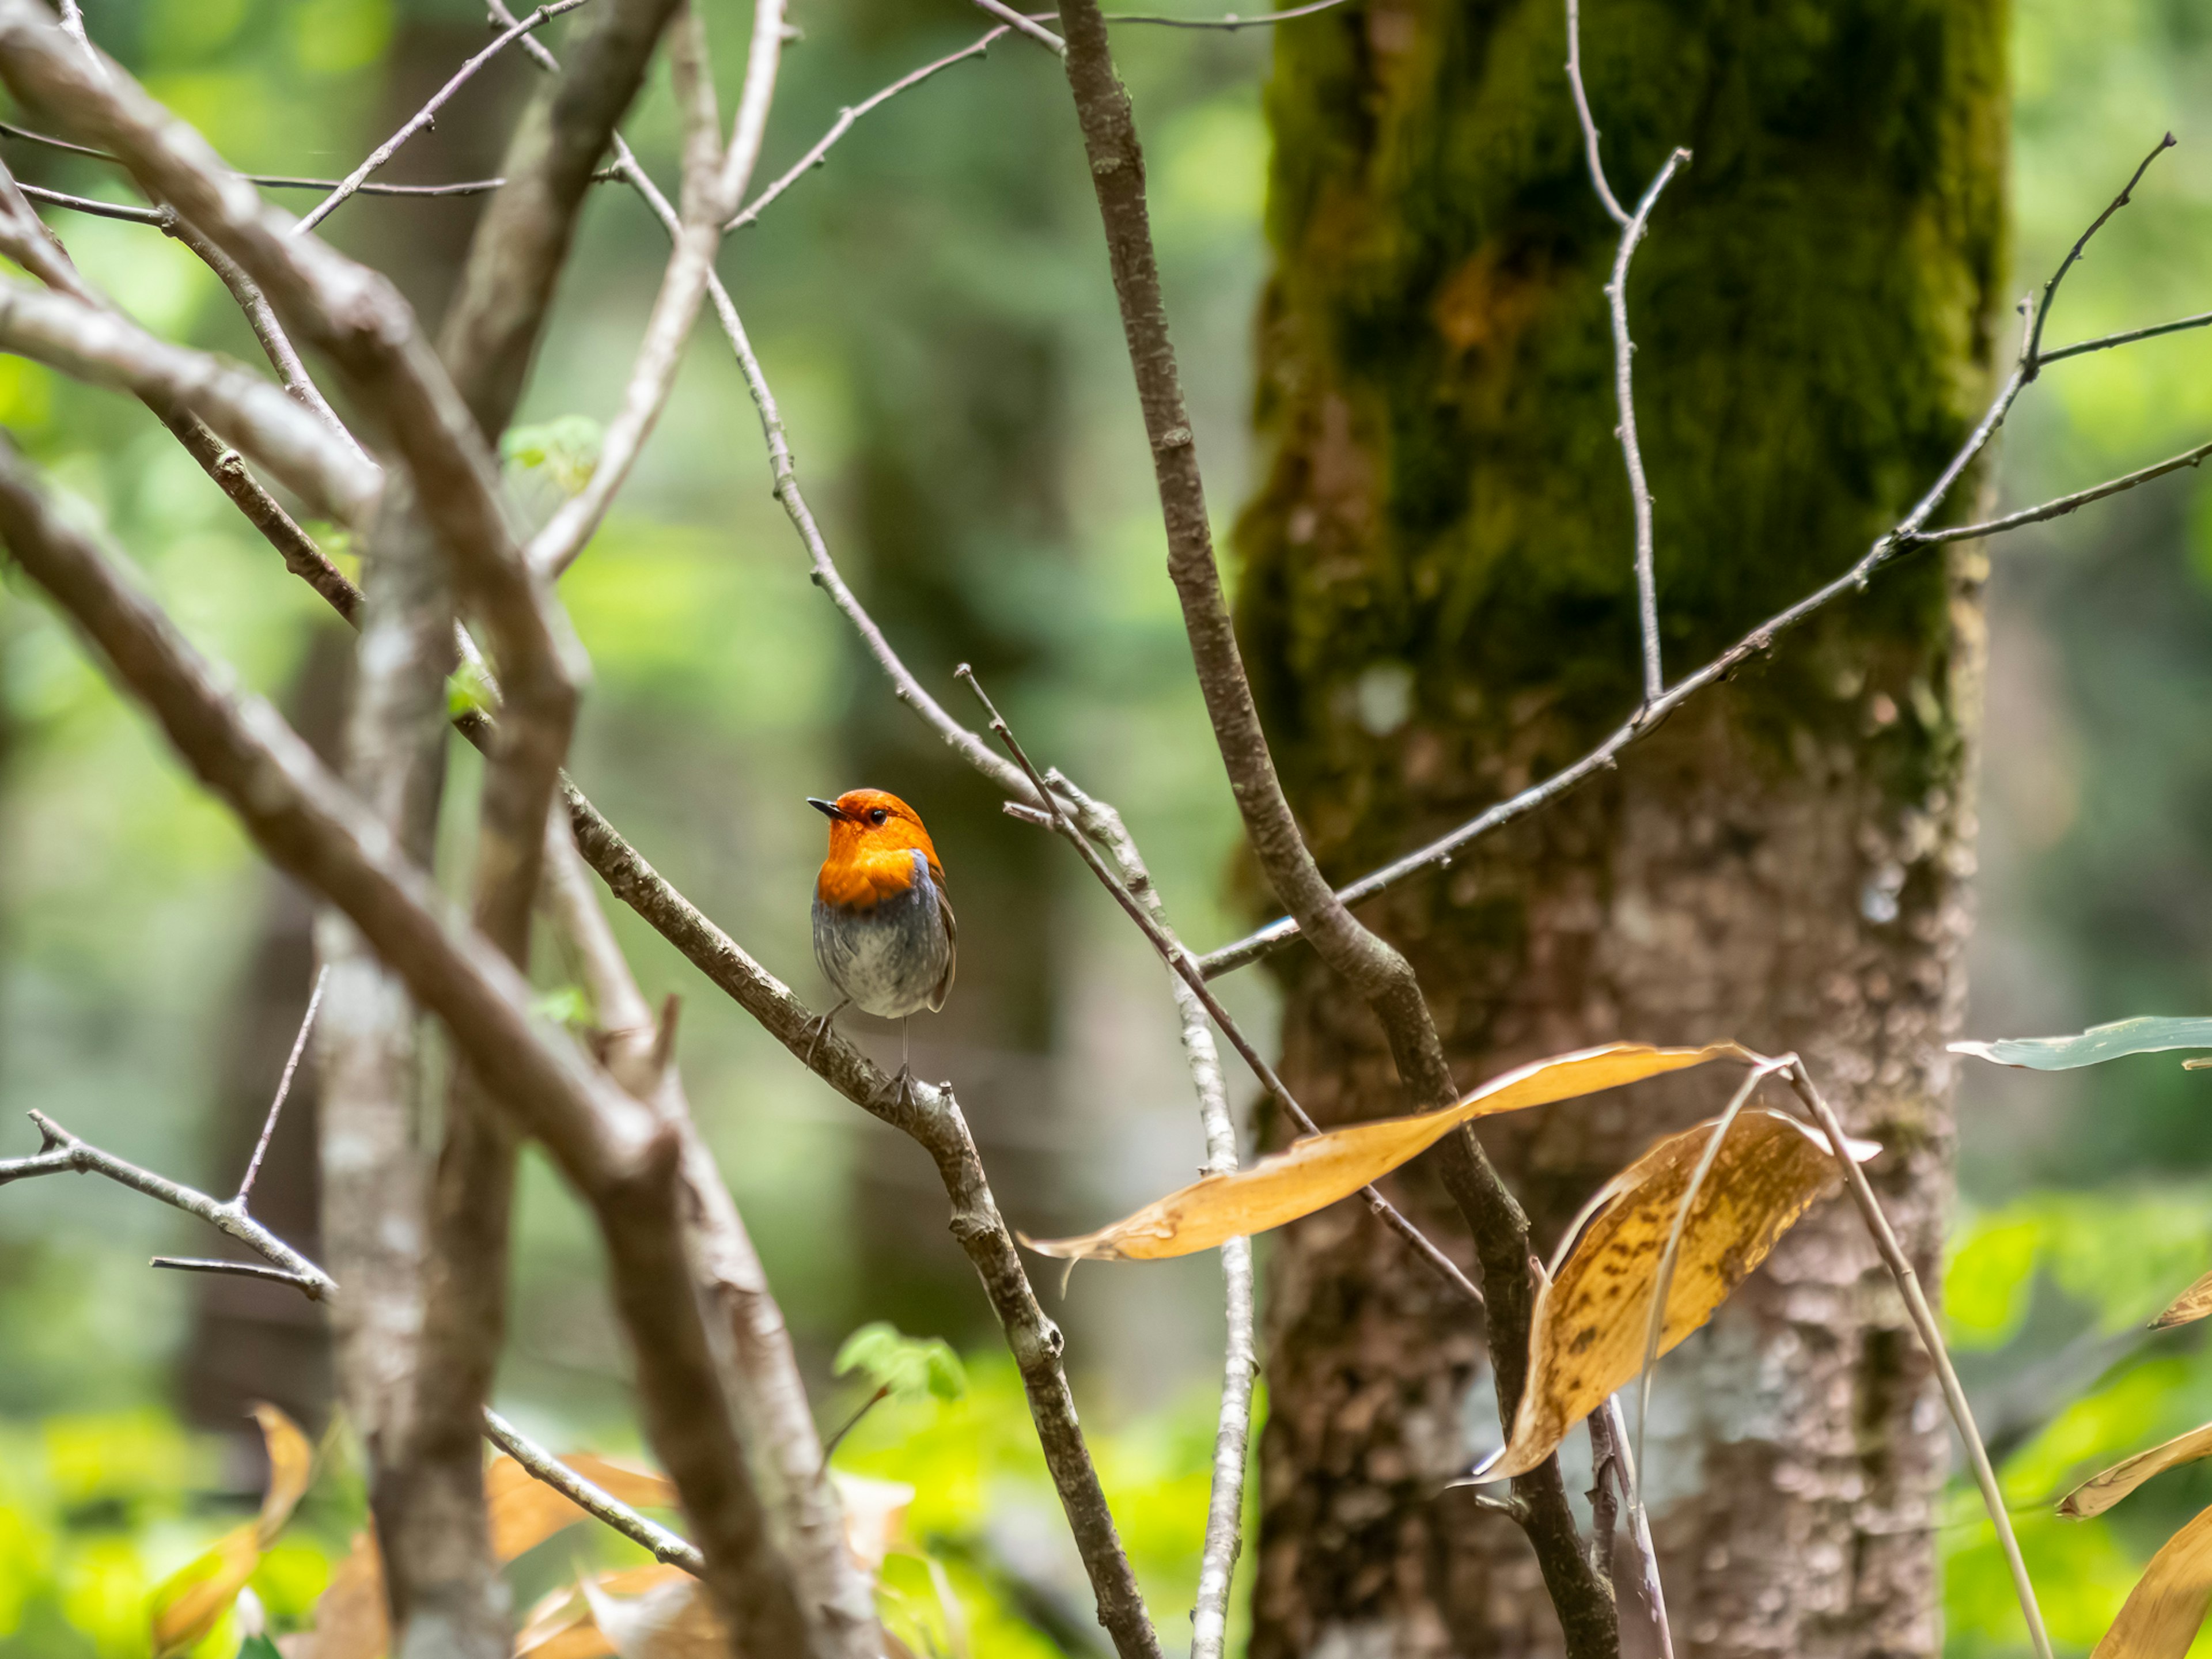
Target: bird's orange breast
861,878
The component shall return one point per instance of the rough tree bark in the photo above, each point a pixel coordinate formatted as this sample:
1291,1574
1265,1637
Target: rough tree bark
1438,606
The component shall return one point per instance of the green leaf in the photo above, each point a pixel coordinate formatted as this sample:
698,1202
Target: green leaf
2148,1035
905,1367
566,448
468,692
565,1005
259,1647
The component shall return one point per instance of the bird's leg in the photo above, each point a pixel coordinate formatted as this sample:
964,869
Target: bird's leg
821,1028
906,1063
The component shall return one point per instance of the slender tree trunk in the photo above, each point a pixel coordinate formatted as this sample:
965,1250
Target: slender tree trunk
1439,607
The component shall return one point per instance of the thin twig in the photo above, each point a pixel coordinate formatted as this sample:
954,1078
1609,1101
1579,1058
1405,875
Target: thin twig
1624,356
932,1116
1582,114
1604,1494
1931,1336
712,194
1888,549
261,318
2060,506
1230,23
2106,341
219,1265
66,1153
62,1152
427,115
284,180
1639,1527
1036,31
1179,962
283,1086
123,211
25,237
1240,1366
2073,254
820,151
108,349
664,1545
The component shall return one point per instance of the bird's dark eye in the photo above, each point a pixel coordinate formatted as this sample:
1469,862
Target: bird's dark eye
879,816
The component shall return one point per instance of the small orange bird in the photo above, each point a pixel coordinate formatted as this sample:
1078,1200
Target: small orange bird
883,933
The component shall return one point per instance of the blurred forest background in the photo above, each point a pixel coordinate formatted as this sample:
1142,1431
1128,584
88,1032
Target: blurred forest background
934,312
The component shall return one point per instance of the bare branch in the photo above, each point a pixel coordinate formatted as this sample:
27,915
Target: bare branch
68,1154
264,180
1179,962
107,348
2062,505
2050,288
820,151
929,1114
2106,341
1014,19
62,1152
222,1265
712,195
26,239
284,1088
1639,1527
1931,1336
1888,550
1375,969
609,1147
137,215
664,1545
427,115
1229,24
497,316
766,1371
1624,356
261,318
1233,1434
1588,123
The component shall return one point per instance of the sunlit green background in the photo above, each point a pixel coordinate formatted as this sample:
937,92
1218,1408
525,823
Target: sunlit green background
933,309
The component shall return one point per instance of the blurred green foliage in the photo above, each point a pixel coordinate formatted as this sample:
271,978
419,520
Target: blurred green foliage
97,1511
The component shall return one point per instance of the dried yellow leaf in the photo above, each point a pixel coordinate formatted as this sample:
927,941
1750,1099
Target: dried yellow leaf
2165,1610
1587,1338
1315,1172
192,1599
188,1604
291,1467
2191,1306
2100,1491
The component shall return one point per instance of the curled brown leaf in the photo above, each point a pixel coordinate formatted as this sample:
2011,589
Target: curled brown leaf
1588,1333
1316,1171
2100,1491
2165,1610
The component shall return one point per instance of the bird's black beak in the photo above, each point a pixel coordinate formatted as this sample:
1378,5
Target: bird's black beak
829,809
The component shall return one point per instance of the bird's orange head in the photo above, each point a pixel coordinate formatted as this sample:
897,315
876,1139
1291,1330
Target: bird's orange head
872,833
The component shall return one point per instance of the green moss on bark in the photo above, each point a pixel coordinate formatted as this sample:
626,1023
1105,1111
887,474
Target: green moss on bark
1812,311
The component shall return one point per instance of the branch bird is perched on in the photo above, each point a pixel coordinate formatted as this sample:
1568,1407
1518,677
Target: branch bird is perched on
883,933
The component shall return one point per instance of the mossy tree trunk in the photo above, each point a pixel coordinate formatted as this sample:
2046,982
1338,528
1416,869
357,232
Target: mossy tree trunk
1438,607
